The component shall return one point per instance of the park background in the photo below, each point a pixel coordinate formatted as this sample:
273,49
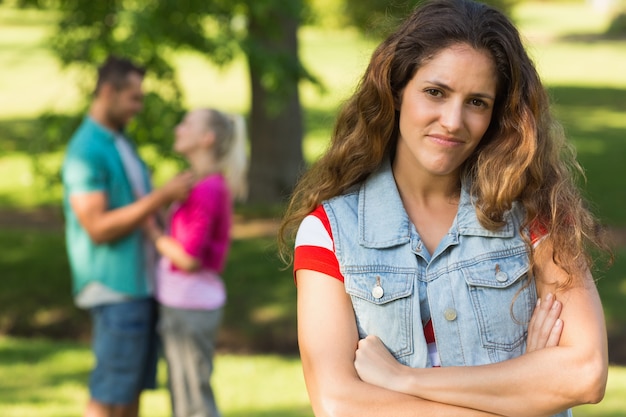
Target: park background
44,339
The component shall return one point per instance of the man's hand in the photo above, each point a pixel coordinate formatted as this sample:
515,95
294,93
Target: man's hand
177,188
105,225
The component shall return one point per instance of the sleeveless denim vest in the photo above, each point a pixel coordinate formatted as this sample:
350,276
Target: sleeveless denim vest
475,283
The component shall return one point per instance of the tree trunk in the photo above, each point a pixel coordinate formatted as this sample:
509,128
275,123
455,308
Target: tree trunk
276,126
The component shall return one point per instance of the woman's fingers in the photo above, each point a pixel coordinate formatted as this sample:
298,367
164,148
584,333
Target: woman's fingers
545,326
555,333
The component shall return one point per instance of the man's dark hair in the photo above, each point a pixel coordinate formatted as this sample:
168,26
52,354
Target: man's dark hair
115,71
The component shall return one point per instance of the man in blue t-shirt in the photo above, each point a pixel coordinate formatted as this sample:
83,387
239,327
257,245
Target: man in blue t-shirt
107,199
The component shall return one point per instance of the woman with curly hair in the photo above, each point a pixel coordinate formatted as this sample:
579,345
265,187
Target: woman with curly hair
442,247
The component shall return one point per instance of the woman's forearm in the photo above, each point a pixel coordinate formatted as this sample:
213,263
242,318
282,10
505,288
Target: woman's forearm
173,250
541,382
359,399
335,390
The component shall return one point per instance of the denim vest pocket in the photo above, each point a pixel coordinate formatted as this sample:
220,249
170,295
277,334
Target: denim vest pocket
503,300
387,314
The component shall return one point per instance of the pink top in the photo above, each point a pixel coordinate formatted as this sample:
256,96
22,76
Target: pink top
202,226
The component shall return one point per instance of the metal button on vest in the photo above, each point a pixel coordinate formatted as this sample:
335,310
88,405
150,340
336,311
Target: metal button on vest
377,292
449,314
501,276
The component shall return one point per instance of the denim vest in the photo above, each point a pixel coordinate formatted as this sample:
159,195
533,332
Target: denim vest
475,285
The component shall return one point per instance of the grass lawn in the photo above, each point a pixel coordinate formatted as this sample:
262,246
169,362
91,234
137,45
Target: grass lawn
41,378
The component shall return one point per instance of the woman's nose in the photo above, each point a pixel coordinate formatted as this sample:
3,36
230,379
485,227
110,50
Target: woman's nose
451,116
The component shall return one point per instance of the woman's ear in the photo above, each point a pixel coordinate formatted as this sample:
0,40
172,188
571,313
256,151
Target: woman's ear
397,101
207,140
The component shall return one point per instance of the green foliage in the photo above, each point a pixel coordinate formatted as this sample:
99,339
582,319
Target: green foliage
377,18
617,28
269,52
506,6
149,31
87,32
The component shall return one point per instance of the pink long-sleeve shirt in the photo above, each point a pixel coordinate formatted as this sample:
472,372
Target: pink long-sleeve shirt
202,226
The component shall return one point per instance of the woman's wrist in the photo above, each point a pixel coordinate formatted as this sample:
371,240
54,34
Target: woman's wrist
407,381
154,234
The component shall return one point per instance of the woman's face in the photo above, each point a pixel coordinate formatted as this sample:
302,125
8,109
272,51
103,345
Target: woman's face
445,110
191,132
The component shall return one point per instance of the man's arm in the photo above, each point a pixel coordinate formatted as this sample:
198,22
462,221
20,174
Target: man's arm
104,225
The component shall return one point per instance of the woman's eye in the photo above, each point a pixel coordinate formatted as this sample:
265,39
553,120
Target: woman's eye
433,92
478,102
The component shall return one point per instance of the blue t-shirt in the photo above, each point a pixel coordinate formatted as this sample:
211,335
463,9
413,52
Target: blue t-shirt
92,163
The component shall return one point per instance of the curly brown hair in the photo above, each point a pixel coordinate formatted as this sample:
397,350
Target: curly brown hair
524,155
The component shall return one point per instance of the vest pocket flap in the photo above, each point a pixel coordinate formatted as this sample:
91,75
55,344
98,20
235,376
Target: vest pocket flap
499,272
383,306
502,300
379,287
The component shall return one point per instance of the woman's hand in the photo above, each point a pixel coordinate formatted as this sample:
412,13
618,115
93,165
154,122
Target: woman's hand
375,365
151,228
545,327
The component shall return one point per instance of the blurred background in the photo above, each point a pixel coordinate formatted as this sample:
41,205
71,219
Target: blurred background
286,66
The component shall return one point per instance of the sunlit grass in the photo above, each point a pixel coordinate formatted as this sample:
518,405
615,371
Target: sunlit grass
48,379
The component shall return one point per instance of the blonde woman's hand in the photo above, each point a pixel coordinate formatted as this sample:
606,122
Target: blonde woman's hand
545,327
151,229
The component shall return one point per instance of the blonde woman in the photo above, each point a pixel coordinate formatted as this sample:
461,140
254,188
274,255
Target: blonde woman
194,248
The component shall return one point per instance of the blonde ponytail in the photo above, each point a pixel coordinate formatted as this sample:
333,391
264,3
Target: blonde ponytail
235,162
230,150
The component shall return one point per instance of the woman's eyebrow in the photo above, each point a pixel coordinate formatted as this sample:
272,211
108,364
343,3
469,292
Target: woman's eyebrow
448,88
